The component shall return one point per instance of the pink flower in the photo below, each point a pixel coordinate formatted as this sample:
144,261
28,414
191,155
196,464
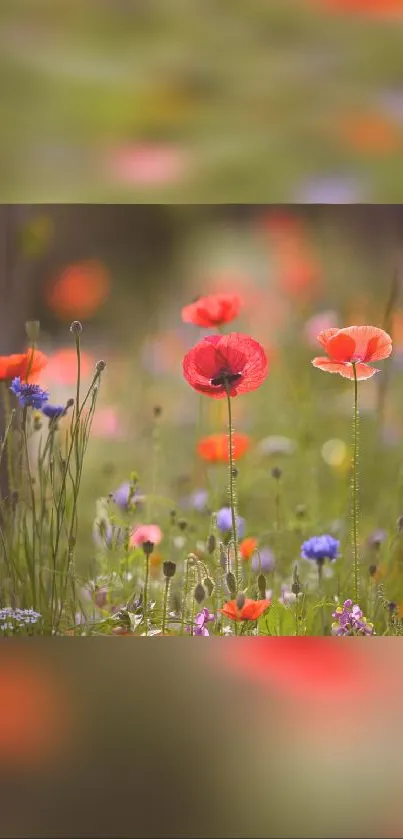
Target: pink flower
146,533
148,164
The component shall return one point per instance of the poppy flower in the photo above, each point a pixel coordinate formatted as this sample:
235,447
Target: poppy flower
148,164
250,611
18,365
370,134
353,345
79,291
146,533
213,310
218,362
214,448
248,547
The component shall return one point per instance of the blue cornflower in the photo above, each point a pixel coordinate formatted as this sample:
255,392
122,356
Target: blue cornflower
320,548
29,396
224,522
125,492
54,412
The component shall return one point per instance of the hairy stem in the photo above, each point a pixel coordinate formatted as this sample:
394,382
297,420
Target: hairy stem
231,486
355,489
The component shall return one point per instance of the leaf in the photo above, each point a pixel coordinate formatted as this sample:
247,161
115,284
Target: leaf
279,621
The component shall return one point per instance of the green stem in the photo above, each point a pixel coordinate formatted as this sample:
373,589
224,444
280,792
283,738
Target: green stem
145,598
355,488
320,578
231,487
166,598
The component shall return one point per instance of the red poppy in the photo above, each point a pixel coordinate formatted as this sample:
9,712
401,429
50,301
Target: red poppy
79,291
382,7
251,609
213,310
247,547
235,361
62,367
20,363
353,345
214,448
146,533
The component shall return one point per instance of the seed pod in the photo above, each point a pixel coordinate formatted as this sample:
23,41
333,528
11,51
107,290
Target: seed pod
208,585
240,601
211,543
261,584
231,583
199,593
169,569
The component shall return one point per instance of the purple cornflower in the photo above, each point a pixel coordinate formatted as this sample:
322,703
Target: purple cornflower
199,625
375,539
319,548
224,522
267,561
349,620
54,412
122,494
29,396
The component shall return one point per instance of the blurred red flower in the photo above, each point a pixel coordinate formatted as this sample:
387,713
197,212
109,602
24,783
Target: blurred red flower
355,344
20,363
62,366
148,164
235,360
377,7
79,291
213,310
370,134
247,547
214,448
33,718
250,611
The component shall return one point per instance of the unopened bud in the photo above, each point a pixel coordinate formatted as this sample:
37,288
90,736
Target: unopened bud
182,524
372,570
148,548
100,366
70,403
169,569
208,585
261,584
276,473
240,601
76,327
211,543
157,410
231,583
199,593
32,328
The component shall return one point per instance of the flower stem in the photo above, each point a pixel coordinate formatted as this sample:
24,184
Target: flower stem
166,598
355,488
145,595
231,486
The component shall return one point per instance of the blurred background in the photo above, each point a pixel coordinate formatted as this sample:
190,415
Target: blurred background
112,100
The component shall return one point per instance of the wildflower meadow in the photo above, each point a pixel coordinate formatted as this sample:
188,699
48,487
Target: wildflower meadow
262,498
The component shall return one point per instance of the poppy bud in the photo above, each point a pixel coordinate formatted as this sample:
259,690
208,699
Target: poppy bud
76,327
169,568
392,607
70,403
32,328
231,583
208,585
100,366
157,410
173,516
148,548
240,601
276,473
261,584
211,543
182,524
199,593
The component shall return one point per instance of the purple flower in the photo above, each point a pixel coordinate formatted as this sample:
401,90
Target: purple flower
122,494
376,538
199,626
267,561
224,522
106,535
29,396
319,548
333,189
199,500
54,412
349,620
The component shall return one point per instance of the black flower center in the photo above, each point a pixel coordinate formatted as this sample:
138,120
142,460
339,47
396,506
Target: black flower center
225,378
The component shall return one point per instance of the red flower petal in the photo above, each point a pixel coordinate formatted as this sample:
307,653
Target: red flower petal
341,347
213,310
19,364
251,610
363,371
324,336
214,448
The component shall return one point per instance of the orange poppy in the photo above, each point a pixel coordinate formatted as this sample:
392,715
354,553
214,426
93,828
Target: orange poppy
214,448
250,611
248,547
370,134
20,363
79,291
354,345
